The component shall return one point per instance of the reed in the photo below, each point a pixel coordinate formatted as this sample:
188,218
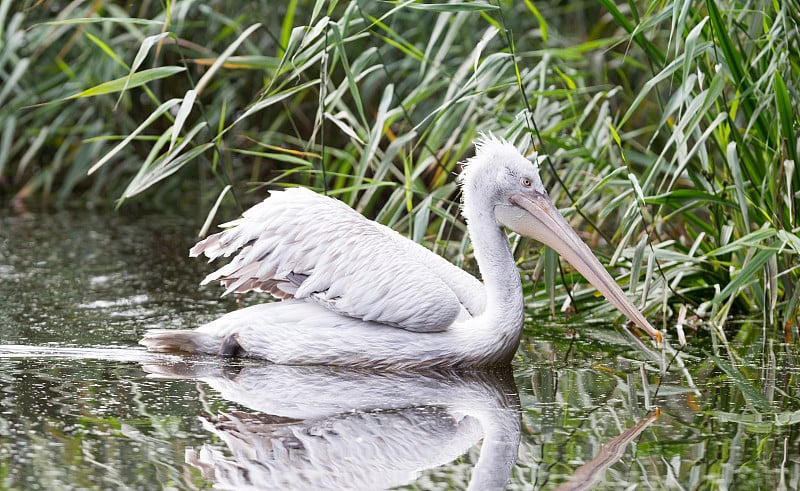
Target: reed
671,127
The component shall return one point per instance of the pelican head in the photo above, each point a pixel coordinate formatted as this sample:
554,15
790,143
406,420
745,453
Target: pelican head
501,181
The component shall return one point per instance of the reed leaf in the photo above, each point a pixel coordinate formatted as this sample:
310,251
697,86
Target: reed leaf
121,84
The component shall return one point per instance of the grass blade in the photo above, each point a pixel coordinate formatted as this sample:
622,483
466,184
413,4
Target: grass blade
451,7
747,274
206,78
136,80
144,49
183,113
163,108
786,117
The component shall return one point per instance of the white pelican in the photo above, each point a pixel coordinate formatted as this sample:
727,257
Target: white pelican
359,294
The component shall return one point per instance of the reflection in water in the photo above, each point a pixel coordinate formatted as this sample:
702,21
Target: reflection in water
591,473
331,428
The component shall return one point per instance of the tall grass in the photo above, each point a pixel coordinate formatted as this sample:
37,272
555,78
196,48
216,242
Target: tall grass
671,127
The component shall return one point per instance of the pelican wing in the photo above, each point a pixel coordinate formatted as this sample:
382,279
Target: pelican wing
299,244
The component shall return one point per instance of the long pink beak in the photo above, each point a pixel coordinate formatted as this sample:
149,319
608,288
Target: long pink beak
536,217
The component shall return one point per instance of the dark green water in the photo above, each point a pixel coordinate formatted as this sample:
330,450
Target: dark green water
83,407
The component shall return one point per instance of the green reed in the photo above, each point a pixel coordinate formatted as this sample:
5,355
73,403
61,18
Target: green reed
671,127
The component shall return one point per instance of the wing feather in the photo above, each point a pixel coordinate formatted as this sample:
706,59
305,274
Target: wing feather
298,244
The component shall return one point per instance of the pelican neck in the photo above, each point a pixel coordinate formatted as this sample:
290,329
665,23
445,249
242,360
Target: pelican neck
504,302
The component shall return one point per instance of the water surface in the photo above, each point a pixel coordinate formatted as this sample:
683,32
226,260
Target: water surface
82,406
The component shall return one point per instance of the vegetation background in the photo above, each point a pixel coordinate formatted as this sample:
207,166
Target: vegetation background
671,127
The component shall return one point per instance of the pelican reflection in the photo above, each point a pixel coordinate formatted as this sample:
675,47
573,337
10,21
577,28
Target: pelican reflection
333,428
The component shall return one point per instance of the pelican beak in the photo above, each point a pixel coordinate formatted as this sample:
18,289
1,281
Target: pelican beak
536,217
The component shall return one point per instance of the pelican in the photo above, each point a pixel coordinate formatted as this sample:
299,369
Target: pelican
356,293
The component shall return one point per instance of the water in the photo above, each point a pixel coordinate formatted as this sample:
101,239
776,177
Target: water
83,407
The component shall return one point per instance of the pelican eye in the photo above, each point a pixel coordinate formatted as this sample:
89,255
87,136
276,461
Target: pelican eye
525,182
